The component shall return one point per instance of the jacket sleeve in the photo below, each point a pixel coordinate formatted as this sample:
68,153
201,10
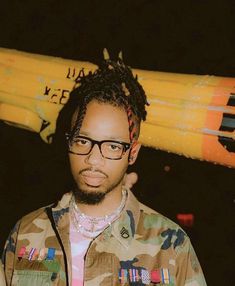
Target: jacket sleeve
2,276
189,272
8,255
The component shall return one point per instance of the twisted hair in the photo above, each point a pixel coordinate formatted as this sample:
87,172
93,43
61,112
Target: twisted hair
113,83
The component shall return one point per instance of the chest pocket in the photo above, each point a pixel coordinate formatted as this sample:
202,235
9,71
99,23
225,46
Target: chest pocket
34,278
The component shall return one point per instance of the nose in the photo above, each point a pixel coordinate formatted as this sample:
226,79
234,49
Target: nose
95,157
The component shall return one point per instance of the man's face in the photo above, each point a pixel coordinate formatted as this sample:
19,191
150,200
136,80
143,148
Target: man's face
95,175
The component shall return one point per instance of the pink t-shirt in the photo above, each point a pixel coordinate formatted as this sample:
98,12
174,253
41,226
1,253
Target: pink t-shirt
79,246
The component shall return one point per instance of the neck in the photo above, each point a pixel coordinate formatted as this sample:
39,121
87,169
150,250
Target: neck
109,204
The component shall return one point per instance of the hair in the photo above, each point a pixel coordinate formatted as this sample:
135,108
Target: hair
112,83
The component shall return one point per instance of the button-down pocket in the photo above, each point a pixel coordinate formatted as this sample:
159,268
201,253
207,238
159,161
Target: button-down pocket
34,278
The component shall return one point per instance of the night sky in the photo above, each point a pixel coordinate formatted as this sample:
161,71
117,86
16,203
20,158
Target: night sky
194,37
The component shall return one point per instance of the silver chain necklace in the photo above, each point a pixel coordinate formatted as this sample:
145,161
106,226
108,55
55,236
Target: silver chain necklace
79,218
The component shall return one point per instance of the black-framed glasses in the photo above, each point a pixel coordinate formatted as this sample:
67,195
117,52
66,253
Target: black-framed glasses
109,149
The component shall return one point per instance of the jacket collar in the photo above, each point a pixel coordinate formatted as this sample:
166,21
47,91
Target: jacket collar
123,229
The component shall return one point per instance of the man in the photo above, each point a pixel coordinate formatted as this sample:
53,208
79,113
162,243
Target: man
99,234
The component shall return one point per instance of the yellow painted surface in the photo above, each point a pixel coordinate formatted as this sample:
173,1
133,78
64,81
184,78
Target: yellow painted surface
20,117
172,140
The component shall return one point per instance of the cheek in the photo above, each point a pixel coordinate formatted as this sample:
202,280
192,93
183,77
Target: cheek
75,163
118,168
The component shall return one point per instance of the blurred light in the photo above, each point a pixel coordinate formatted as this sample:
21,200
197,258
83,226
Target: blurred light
167,168
185,219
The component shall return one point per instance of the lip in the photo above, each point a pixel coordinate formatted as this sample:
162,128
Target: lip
94,179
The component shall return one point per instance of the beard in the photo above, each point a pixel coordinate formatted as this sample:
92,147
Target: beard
84,196
89,198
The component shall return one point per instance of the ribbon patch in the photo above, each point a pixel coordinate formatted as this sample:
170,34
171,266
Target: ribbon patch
37,254
135,275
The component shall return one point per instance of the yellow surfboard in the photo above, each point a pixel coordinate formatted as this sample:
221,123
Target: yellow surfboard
191,115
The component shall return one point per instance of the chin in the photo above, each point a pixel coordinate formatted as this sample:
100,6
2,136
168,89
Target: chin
89,195
92,195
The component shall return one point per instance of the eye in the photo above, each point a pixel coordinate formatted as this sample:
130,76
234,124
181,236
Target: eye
115,147
82,142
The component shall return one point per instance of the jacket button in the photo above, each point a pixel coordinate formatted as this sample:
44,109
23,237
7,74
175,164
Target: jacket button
124,233
53,276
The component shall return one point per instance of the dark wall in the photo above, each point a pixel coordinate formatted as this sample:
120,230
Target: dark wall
172,36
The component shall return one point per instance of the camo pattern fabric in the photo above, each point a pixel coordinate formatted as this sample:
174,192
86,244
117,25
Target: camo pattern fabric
141,247
2,275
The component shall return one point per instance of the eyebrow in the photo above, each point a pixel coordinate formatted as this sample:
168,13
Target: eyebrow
84,133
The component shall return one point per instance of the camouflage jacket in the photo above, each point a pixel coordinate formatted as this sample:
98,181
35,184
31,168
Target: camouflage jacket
142,247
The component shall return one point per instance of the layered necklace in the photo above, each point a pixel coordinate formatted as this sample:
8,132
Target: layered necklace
90,226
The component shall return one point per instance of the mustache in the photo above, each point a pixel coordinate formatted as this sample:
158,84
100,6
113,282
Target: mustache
94,171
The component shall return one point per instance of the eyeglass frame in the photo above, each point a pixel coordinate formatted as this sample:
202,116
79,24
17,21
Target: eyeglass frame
99,143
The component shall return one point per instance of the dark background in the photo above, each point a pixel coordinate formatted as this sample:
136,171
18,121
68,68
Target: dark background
174,36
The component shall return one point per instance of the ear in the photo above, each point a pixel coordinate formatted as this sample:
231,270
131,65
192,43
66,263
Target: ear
134,152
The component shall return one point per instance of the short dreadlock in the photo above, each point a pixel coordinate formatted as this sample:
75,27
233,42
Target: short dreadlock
113,83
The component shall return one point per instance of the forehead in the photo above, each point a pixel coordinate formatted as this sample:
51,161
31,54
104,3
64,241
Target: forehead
105,121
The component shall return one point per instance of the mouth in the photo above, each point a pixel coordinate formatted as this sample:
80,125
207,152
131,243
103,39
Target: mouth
93,179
